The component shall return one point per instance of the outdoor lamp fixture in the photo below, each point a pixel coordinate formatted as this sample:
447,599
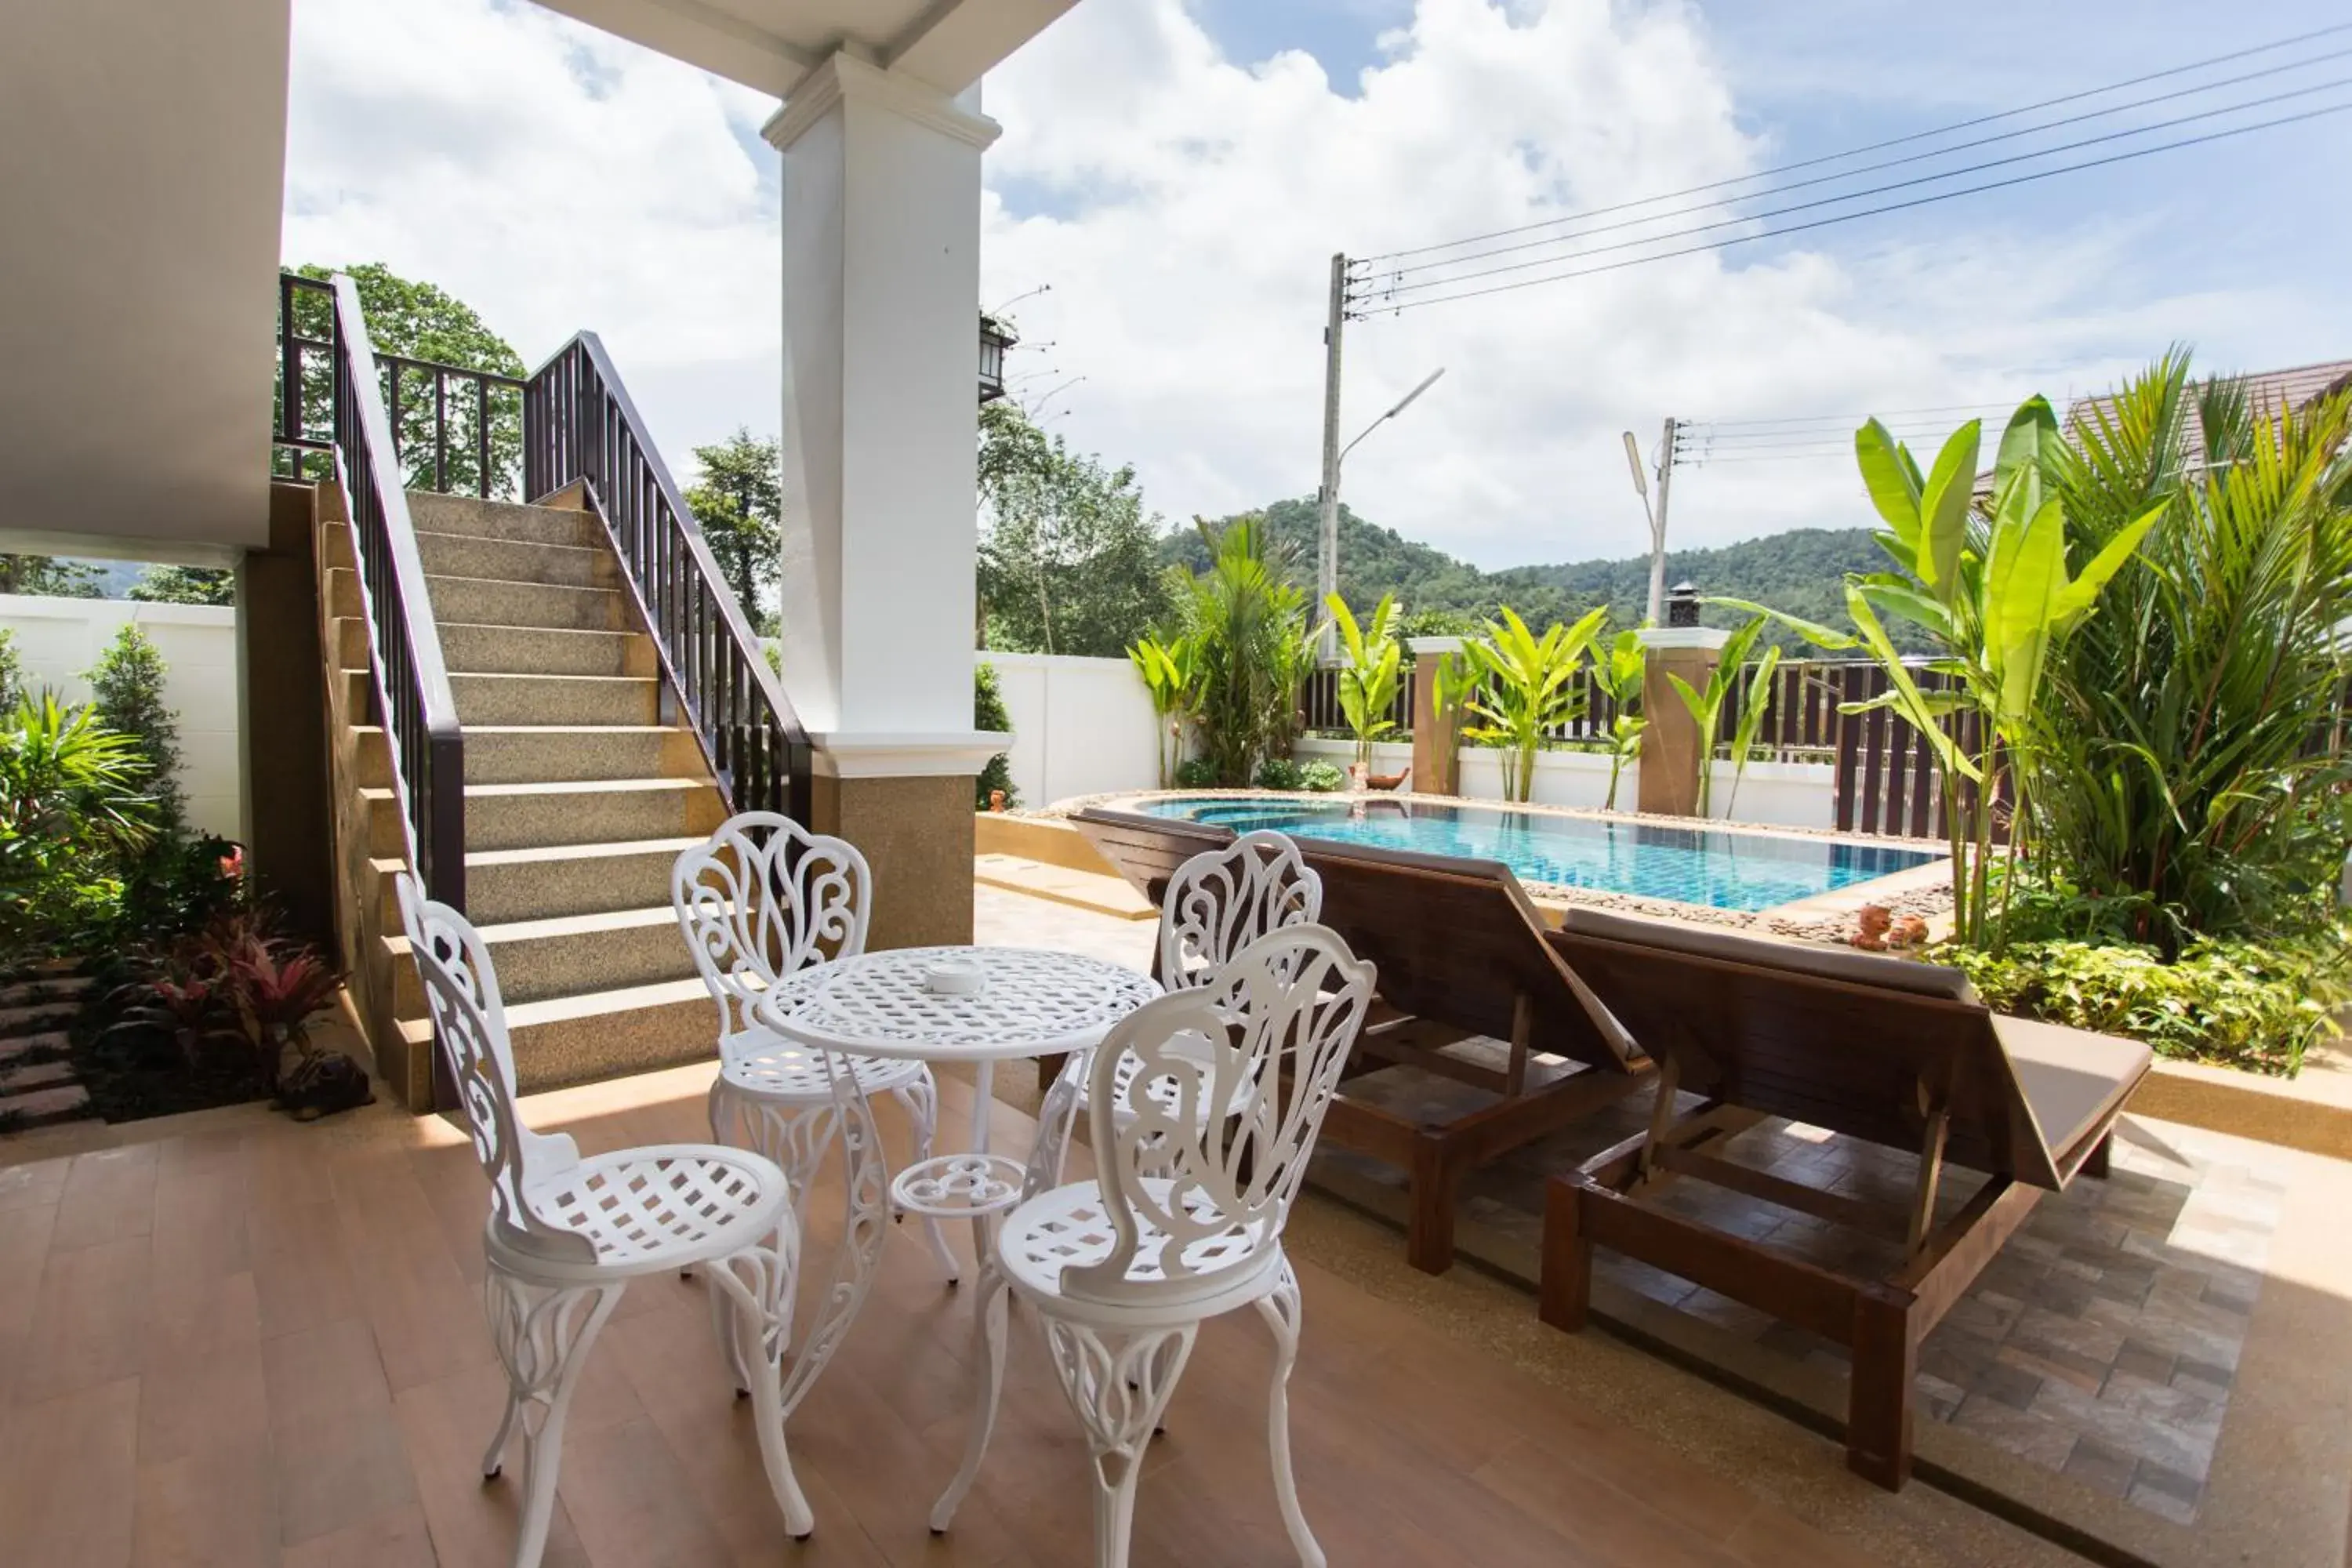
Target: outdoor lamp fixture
1681,604
994,339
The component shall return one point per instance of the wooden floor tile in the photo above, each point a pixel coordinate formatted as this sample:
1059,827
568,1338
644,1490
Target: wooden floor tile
397,1538
340,1460
109,1195
89,1320
67,1472
213,1505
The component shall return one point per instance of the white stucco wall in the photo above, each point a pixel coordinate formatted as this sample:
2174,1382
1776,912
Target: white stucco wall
1789,794
1080,726
59,639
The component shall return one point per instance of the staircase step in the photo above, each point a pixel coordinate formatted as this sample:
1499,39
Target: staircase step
572,754
505,700
541,650
508,886
503,520
568,956
553,754
604,1034
515,560
534,815
487,602
556,699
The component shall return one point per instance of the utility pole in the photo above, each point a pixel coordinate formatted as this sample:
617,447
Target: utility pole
1658,527
1327,554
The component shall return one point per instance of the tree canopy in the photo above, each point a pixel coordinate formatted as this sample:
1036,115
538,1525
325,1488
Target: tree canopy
185,586
1069,560
740,502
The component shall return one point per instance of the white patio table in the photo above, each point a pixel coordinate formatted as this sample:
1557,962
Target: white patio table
1030,1002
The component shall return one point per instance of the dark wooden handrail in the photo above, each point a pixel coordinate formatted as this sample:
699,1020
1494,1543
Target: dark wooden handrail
411,690
581,426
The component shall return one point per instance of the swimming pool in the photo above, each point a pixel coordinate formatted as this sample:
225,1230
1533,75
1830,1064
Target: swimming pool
1745,871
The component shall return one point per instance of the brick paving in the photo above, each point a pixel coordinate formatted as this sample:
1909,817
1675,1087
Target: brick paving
2100,1344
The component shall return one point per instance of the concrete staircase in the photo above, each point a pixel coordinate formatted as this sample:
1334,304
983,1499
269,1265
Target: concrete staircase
579,797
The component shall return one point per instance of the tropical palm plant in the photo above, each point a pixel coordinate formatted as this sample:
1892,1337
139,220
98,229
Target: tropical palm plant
1622,675
1991,587
1171,672
1529,685
2192,766
1370,677
1249,626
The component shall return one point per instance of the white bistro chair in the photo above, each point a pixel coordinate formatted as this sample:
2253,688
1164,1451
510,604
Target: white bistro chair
762,898
566,1233
1184,1221
1217,903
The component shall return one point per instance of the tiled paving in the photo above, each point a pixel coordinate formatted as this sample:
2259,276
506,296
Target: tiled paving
2100,1344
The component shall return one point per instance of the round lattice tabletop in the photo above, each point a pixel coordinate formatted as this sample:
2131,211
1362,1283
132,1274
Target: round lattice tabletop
1032,1001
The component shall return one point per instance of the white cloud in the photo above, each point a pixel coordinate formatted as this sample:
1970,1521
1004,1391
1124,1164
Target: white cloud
1183,207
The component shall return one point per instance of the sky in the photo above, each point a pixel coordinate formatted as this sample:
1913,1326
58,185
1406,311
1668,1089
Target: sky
1175,174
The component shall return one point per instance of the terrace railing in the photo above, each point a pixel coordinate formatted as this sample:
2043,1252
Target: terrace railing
410,692
581,426
454,429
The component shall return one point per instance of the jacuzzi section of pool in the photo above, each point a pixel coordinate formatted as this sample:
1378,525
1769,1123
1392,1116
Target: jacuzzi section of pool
1745,871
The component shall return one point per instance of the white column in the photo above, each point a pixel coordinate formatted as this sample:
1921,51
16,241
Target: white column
881,230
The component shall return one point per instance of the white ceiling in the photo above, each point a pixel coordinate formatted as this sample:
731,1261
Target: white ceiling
142,150
771,44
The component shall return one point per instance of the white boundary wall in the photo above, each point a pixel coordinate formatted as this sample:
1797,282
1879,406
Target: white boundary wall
59,639
1080,726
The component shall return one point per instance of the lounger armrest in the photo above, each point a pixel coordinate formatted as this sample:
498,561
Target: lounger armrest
2074,1083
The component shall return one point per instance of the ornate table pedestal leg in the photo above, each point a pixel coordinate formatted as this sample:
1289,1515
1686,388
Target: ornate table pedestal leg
865,1225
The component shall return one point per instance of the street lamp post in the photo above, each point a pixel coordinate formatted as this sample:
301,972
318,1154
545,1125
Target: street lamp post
1656,515
1326,574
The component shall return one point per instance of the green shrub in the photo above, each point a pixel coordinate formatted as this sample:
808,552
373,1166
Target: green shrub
1279,773
989,713
1196,773
2236,1004
127,697
1322,777
12,673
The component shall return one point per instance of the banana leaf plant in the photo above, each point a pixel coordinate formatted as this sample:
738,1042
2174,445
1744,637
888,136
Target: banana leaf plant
1529,685
1753,709
1374,666
1171,674
1992,589
1707,707
1622,676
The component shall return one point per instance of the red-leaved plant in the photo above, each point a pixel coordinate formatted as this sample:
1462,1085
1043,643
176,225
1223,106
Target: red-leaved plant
277,991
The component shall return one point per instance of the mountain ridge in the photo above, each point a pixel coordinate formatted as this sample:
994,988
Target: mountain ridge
1799,570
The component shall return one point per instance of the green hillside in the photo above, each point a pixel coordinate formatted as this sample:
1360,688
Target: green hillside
1799,572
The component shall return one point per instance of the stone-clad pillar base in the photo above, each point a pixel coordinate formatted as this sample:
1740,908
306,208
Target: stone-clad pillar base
1672,752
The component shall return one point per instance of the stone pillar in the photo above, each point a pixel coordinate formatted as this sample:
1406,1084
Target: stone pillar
881,296
1672,751
1436,737
282,700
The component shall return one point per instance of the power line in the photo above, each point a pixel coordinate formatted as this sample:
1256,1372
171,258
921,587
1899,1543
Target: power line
1877,146
1831,418
1909,158
1395,288
1866,212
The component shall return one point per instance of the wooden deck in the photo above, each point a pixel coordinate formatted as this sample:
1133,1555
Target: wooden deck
262,1344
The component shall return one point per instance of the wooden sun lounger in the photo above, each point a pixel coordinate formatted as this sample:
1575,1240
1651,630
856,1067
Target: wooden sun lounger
1462,955
1887,1049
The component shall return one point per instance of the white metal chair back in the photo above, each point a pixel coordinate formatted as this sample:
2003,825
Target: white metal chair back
1221,900
1232,1079
765,898
469,1024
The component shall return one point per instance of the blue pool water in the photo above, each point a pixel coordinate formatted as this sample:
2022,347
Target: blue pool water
1691,866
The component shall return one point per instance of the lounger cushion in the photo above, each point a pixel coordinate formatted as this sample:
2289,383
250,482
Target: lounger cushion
2072,1079
1774,952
